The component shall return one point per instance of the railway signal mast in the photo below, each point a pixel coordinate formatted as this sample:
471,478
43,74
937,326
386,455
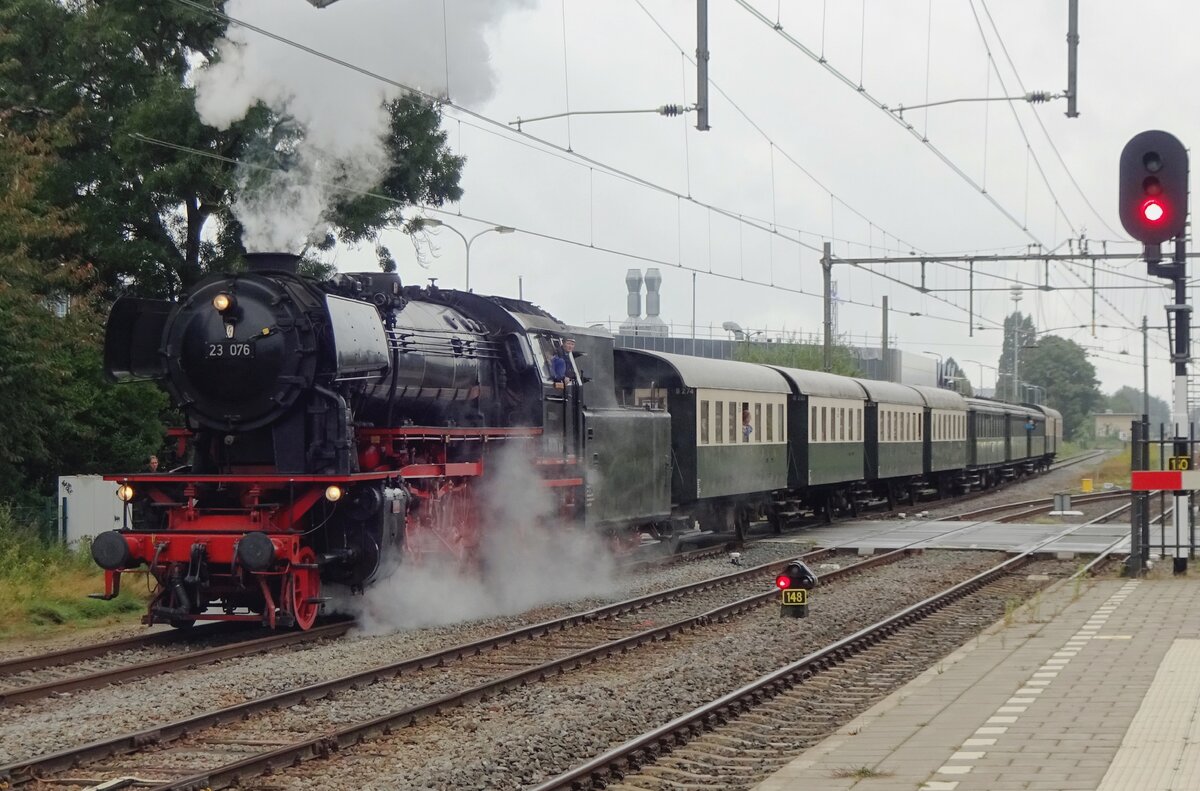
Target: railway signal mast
1153,197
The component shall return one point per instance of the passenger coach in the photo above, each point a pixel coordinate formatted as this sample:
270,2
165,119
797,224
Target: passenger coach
724,467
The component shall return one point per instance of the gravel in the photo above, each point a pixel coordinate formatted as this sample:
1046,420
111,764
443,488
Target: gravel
71,719
523,736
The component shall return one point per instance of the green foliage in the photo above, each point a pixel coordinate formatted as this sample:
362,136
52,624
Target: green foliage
1018,329
59,415
1061,366
956,378
46,584
116,72
1129,399
795,355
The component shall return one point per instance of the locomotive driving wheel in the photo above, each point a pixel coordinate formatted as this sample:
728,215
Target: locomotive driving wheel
304,589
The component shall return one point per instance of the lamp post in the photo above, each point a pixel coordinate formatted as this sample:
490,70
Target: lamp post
995,383
939,368
432,223
1016,295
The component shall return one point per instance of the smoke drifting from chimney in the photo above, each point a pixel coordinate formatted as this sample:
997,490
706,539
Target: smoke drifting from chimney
340,112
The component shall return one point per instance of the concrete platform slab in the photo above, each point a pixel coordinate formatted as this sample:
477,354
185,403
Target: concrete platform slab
1097,688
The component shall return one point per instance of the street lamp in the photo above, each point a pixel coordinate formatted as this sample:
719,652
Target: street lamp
1015,295
432,223
939,368
995,383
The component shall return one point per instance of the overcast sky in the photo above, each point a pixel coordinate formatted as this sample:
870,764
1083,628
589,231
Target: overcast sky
821,159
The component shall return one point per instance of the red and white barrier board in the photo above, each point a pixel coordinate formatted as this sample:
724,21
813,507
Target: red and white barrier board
1165,480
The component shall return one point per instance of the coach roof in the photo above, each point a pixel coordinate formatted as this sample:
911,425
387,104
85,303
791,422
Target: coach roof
699,372
821,384
891,393
939,398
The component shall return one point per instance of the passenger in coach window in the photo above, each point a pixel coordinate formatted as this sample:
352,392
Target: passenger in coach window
153,465
747,429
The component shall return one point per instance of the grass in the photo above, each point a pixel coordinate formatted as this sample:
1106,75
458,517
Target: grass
44,586
861,773
1115,469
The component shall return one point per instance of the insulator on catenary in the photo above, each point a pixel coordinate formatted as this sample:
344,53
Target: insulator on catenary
672,109
1038,97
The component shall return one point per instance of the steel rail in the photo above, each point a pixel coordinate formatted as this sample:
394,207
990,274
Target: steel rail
101,678
68,656
29,769
349,735
642,749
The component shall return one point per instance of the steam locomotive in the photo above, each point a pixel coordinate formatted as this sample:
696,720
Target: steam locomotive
337,428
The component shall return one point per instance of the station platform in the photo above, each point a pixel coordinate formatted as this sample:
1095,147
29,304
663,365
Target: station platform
1095,686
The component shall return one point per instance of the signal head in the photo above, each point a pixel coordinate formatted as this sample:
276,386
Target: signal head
1153,187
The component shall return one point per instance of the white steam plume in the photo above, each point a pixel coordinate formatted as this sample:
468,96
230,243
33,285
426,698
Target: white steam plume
340,111
531,557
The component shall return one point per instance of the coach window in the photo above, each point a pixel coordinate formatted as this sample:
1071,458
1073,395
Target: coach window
812,426
782,433
719,423
824,424
733,422
758,432
770,424
703,422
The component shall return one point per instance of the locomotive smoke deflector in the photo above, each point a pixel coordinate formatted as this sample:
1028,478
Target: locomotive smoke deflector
133,339
359,342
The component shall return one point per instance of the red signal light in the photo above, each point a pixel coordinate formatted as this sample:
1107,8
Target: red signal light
783,582
1153,210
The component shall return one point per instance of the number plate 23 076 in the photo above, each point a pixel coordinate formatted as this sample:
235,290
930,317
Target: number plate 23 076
231,350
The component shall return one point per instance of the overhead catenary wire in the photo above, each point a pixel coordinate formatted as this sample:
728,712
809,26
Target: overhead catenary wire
612,170
1046,132
550,147
526,231
1028,145
778,28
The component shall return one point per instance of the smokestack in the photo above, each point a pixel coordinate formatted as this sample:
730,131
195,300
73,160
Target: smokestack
653,281
272,262
633,281
653,324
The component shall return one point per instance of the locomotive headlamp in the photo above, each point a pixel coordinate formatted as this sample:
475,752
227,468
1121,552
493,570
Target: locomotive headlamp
222,302
333,493
125,492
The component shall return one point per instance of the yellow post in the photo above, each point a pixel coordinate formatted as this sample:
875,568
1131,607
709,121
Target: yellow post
1086,485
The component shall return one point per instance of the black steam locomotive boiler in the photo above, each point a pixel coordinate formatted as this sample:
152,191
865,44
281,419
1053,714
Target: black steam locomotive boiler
335,427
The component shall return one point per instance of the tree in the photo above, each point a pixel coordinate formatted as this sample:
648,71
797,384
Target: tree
796,355
60,415
1062,368
1129,399
116,72
1018,329
957,378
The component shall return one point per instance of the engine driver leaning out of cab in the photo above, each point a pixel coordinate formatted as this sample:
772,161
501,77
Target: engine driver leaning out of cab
562,366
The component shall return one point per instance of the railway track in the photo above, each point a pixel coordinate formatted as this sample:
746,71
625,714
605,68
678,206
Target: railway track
506,661
24,679
1036,506
739,739
516,658
29,673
